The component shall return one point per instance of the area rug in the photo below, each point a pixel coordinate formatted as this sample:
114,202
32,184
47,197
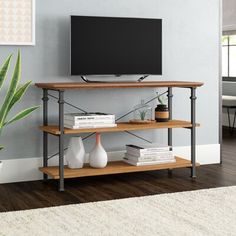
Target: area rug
201,212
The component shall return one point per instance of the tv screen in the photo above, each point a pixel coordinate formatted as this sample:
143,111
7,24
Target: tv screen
115,46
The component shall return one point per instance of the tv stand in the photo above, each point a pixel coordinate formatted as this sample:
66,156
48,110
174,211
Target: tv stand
61,172
96,81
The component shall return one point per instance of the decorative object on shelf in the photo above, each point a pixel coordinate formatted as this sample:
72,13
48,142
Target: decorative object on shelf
161,111
75,155
17,24
98,156
148,154
89,120
14,94
142,113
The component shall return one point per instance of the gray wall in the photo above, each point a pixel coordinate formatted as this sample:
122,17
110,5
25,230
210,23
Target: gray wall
190,52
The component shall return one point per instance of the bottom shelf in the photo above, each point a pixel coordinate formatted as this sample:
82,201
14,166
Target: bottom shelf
116,167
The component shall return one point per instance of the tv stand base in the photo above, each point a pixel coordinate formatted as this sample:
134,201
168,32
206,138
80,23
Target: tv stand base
96,81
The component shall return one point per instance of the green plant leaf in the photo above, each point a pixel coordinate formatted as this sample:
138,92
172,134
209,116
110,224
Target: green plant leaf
160,100
19,94
1,147
4,70
11,91
21,115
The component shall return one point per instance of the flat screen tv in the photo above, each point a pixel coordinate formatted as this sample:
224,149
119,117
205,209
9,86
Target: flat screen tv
116,46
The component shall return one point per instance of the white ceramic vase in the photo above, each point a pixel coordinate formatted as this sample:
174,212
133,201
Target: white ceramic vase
98,156
75,155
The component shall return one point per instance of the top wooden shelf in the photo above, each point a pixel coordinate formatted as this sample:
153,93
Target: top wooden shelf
114,85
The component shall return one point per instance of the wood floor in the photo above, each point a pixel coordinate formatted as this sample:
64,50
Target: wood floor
36,194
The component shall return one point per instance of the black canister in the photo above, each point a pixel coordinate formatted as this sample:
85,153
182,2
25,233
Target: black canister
162,113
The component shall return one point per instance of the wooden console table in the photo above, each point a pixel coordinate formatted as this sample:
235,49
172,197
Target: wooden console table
61,172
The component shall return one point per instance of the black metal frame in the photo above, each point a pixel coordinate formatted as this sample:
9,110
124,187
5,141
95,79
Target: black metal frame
61,103
61,140
170,138
45,134
193,132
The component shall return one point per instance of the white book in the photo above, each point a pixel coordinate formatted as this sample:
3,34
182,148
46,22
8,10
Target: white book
85,122
89,126
146,153
147,163
88,116
146,149
159,157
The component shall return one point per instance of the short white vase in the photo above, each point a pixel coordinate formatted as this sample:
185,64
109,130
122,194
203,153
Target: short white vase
98,156
75,155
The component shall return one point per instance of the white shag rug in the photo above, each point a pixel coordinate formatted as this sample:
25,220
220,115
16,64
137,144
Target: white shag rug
201,212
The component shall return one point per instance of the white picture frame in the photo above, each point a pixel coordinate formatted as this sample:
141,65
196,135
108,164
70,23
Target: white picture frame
5,28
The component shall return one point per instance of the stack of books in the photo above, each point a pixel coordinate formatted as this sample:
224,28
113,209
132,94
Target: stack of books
89,120
149,154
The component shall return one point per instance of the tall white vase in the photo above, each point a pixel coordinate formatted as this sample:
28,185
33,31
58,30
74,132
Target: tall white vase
75,155
98,156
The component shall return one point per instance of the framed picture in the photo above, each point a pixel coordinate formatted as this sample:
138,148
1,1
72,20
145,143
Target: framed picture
17,22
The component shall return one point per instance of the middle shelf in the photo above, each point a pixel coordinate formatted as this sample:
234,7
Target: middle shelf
125,126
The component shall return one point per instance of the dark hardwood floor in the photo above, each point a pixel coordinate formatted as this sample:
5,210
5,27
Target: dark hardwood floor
36,194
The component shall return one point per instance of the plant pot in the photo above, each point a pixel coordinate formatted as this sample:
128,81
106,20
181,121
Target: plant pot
98,156
75,155
162,113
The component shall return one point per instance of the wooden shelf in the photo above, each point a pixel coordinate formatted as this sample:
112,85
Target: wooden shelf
53,129
113,85
116,167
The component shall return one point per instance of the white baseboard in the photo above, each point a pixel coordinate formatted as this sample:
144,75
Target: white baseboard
18,170
205,154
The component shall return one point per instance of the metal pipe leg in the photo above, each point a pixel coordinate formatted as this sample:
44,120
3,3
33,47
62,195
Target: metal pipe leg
170,172
45,134
61,140
193,132
170,138
170,96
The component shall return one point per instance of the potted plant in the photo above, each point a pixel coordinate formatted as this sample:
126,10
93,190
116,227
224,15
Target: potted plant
142,113
161,111
14,94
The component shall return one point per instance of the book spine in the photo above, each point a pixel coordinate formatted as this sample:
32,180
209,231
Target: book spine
166,156
148,163
147,150
155,163
80,118
82,122
89,126
137,153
